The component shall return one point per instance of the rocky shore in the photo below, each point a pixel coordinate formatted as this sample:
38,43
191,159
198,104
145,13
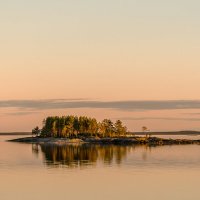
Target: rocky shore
119,141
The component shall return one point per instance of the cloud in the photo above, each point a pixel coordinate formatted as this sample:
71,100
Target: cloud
159,118
119,105
21,113
192,114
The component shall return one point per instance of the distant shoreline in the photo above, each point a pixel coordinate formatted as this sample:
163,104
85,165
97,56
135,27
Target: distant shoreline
168,133
15,133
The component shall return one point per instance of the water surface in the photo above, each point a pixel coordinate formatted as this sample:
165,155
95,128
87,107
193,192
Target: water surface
98,172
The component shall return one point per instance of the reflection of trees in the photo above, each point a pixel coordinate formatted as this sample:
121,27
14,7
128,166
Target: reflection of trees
110,153
69,155
35,149
81,155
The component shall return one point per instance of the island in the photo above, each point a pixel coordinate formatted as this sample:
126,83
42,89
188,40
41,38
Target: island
78,130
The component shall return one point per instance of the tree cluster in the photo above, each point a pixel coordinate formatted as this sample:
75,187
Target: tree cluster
73,126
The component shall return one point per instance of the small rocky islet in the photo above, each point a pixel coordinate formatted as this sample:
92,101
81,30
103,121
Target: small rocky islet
71,129
115,141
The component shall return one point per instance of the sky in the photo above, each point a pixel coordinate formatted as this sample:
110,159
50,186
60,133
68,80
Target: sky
123,55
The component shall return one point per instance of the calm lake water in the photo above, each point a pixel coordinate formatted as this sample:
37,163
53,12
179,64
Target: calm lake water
30,172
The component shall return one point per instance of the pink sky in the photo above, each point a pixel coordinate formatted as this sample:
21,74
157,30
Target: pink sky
100,51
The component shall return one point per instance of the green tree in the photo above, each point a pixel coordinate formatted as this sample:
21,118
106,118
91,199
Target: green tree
76,125
93,127
145,130
108,126
120,130
70,126
36,131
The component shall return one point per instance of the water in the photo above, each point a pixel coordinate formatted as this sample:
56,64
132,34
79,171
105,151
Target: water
98,172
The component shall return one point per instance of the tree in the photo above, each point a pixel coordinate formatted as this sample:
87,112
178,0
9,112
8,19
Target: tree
60,124
93,128
36,131
102,129
120,130
48,125
69,125
73,126
84,124
76,125
108,127
145,129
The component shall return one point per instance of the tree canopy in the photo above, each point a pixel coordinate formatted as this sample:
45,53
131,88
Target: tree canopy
74,126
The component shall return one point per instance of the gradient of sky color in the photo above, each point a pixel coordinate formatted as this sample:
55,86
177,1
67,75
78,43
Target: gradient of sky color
100,50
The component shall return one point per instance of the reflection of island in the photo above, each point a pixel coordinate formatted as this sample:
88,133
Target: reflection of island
134,156
81,155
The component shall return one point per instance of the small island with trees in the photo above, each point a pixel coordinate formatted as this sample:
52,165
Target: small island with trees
73,129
